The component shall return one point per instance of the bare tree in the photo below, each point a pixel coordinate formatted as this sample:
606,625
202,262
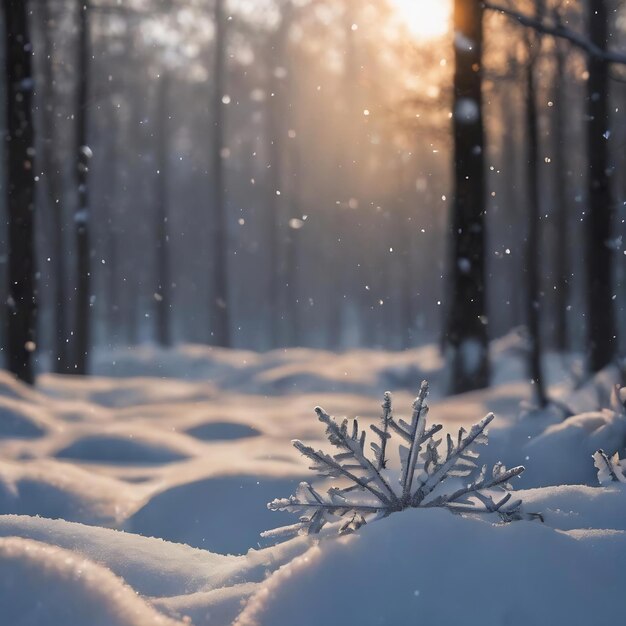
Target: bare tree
52,165
601,325
280,239
79,340
561,230
162,295
220,312
20,192
602,331
533,234
466,331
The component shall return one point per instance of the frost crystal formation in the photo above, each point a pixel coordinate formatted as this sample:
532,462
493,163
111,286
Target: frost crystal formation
610,468
427,476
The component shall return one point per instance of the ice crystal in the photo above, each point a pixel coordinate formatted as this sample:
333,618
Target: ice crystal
426,477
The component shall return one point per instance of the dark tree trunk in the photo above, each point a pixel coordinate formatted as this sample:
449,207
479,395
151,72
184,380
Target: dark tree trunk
20,193
80,338
276,199
602,331
402,230
561,257
111,307
131,285
292,184
466,328
342,298
513,190
53,167
220,312
163,301
280,241
113,317
532,283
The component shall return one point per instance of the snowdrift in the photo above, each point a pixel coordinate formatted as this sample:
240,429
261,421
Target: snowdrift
434,567
186,463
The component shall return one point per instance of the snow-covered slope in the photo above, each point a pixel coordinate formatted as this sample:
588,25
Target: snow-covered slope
193,457
43,584
436,568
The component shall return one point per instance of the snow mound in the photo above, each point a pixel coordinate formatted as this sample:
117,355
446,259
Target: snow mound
571,507
122,449
153,566
42,584
10,387
218,607
56,490
562,455
596,392
444,568
21,420
278,372
116,393
223,514
179,580
222,431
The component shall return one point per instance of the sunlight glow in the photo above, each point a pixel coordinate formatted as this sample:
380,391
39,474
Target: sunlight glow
425,19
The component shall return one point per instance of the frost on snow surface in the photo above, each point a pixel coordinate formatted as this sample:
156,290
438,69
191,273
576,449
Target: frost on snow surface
610,469
429,567
103,481
43,584
373,490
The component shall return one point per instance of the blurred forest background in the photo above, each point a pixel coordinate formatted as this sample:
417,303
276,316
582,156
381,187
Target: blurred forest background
325,173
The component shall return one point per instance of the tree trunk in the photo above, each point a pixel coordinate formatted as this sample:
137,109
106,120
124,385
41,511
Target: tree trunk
403,230
466,328
276,199
82,314
561,257
602,332
280,241
514,198
52,166
20,193
162,295
220,312
532,283
111,291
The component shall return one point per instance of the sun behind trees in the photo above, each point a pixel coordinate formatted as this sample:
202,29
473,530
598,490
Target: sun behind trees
220,213
313,173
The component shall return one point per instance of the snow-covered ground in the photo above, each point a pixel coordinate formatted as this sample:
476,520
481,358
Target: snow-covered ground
138,497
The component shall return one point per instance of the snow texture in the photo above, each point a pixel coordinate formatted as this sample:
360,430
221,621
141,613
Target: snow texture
442,569
100,477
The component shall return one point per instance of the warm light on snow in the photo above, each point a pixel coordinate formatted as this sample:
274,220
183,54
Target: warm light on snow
426,19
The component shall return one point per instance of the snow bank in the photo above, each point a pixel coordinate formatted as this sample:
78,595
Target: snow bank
443,569
195,458
57,490
153,567
22,420
99,448
571,507
225,514
279,372
562,455
181,581
42,584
